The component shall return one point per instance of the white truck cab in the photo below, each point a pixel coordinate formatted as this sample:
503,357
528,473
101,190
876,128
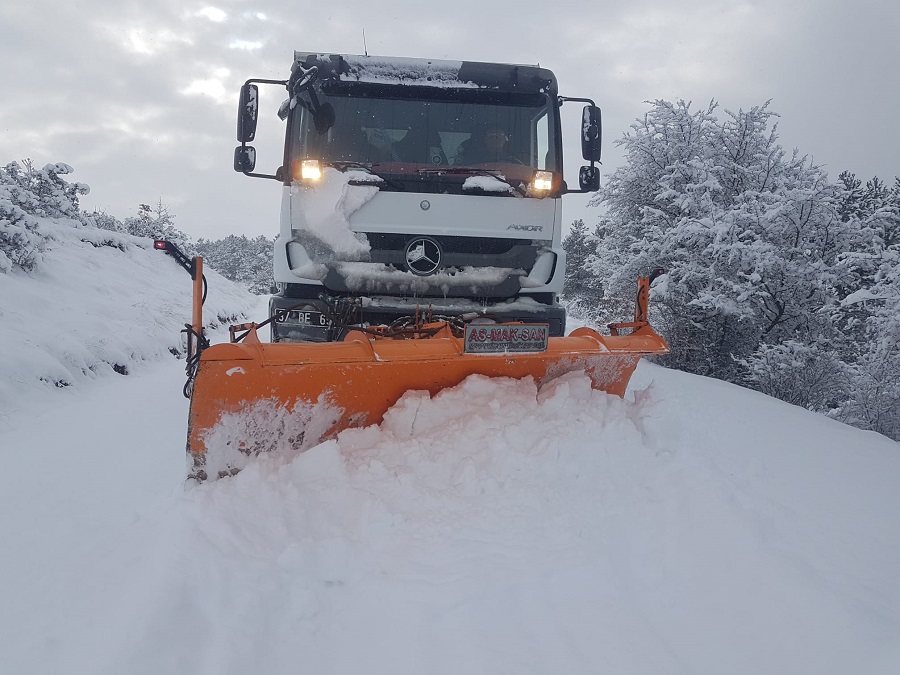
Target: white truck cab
416,187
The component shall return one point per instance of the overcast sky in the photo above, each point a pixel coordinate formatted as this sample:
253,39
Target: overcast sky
140,97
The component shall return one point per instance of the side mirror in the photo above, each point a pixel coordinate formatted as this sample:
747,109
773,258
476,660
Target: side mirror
244,158
591,133
247,112
589,178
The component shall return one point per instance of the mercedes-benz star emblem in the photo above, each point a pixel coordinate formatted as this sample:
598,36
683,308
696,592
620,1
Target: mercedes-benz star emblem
423,256
425,204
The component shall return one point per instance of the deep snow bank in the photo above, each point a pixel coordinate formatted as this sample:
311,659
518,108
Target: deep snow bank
100,302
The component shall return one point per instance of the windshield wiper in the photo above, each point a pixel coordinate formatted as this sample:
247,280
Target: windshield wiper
471,171
343,166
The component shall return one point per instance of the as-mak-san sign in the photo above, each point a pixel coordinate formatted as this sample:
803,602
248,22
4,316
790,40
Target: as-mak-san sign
498,338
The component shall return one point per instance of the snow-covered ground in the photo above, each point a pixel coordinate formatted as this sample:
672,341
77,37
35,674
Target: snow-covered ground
694,527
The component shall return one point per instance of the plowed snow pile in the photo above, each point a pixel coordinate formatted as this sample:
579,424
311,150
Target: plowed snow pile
699,528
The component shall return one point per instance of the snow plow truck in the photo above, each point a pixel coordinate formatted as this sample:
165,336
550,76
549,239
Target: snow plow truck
420,243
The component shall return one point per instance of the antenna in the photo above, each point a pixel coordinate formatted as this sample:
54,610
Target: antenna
365,49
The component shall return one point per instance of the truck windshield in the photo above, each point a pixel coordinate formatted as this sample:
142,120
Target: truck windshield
512,134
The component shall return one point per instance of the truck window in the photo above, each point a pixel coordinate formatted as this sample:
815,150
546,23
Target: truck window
454,127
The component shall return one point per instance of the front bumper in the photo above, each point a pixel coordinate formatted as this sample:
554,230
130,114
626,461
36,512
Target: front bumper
376,311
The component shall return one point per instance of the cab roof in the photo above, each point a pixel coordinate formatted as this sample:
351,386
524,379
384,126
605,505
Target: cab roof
426,72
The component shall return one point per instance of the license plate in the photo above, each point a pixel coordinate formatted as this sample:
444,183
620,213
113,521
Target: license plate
303,317
501,338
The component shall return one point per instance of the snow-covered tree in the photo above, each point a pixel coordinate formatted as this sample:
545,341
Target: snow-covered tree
43,192
246,261
869,309
776,277
809,375
746,232
28,194
156,222
103,220
582,289
21,241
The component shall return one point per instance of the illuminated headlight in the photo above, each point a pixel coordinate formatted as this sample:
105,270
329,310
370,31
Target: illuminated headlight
310,170
542,181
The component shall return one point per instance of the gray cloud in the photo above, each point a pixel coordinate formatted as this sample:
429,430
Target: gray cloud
140,97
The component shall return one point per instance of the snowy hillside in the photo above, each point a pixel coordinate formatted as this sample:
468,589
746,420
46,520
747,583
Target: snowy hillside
694,527
100,302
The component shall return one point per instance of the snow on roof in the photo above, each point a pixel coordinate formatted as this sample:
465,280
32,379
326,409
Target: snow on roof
427,72
396,70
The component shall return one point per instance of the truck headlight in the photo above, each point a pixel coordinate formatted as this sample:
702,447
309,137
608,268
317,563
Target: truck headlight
310,170
542,181
307,170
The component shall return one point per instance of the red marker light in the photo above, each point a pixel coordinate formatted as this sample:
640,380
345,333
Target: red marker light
160,244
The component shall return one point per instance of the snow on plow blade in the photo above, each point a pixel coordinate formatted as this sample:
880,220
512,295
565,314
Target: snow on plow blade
251,397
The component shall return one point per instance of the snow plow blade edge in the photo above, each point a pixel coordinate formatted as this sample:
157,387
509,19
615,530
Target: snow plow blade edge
328,387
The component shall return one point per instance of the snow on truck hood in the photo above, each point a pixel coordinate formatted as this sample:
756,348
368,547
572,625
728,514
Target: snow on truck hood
322,227
327,208
468,280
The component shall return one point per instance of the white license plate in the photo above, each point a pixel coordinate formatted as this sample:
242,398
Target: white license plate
500,338
303,317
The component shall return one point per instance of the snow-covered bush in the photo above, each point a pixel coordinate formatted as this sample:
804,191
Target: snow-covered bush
43,192
746,232
868,313
103,221
807,375
26,195
776,277
21,239
874,401
156,222
240,259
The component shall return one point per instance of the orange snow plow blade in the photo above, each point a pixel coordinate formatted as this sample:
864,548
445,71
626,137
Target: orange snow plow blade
249,397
